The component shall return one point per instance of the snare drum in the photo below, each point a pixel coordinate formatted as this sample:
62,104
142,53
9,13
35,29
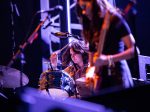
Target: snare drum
59,84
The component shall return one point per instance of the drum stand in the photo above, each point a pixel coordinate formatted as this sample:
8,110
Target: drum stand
47,85
50,64
75,85
47,78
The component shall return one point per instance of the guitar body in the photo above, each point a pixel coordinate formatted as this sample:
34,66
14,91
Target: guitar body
93,75
93,81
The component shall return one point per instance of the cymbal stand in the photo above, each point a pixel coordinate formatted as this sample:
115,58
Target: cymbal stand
20,53
22,62
14,10
50,64
75,86
47,84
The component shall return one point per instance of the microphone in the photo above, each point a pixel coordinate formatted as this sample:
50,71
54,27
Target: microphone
65,35
51,10
60,34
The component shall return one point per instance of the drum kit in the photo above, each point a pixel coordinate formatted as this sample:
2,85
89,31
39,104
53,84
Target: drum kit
59,84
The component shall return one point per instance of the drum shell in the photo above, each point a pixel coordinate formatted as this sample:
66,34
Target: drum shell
57,80
50,79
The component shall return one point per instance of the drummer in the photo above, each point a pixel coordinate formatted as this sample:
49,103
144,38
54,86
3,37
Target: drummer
74,60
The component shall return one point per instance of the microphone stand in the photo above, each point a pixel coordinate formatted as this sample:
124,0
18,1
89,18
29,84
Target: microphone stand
32,37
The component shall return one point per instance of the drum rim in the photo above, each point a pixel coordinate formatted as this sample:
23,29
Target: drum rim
65,93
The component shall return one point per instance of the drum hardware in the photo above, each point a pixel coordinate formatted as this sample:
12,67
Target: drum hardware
47,85
50,65
75,86
14,13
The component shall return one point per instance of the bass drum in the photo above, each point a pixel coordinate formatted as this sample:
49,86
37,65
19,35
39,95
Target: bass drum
56,84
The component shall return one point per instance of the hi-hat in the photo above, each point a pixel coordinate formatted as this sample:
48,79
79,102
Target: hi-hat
11,78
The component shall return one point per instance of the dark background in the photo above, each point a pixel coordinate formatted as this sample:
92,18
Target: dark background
32,53
139,23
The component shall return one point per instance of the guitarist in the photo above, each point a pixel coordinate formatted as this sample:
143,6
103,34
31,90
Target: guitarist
110,42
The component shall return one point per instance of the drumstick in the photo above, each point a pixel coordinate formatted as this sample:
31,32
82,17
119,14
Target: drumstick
54,54
60,50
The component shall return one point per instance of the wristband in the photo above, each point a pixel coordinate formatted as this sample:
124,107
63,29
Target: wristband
110,60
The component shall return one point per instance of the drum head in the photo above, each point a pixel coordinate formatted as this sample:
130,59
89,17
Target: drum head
55,93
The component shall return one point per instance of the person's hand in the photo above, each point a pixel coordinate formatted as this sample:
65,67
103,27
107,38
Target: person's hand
102,60
54,59
53,56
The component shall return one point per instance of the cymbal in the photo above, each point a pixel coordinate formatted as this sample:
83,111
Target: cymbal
10,77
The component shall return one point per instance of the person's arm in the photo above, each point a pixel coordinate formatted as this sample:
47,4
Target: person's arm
70,71
54,60
127,54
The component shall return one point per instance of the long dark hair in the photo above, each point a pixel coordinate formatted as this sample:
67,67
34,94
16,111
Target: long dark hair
78,47
87,30
91,28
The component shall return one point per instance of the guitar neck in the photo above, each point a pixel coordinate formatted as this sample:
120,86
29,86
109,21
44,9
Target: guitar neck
101,41
105,27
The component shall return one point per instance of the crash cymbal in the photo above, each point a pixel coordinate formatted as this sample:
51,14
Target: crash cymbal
10,77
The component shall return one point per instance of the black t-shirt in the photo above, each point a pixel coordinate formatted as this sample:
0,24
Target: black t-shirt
118,29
